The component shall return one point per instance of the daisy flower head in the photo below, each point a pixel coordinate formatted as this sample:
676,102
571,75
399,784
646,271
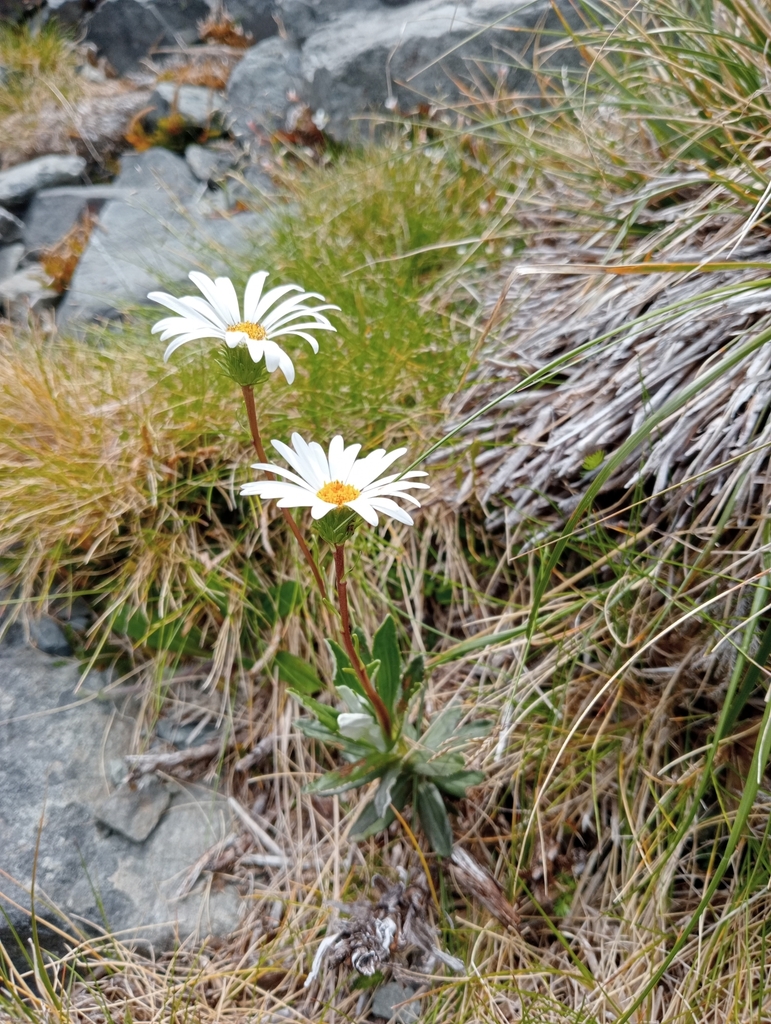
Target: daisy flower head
330,482
250,333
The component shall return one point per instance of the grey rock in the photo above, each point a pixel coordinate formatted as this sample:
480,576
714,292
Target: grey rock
134,811
18,183
26,292
55,211
389,996
151,239
200,107
249,186
208,163
158,171
15,10
48,636
398,57
256,17
301,18
11,227
10,258
55,746
43,633
77,614
69,12
260,86
125,31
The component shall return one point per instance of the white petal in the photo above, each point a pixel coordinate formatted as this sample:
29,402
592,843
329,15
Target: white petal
316,474
383,480
288,495
228,297
301,334
347,461
320,509
320,460
296,302
367,472
272,296
286,366
390,508
366,469
183,339
298,313
211,292
336,450
203,309
181,325
185,307
252,293
299,463
311,325
256,348
365,510
374,498
396,490
297,500
272,355
287,474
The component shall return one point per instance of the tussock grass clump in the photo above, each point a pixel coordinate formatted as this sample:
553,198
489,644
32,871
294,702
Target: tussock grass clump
36,62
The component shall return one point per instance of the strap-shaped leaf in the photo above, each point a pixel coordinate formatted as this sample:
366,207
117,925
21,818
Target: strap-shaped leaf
413,677
433,818
385,649
316,731
326,715
298,673
442,727
351,776
382,798
457,784
369,822
436,765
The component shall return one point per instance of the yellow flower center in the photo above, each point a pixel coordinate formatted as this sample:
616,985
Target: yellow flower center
253,331
337,493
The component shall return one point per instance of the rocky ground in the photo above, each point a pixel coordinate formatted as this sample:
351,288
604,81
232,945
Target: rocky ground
302,73
89,223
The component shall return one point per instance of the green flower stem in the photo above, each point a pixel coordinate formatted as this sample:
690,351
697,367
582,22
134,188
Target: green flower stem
251,412
350,650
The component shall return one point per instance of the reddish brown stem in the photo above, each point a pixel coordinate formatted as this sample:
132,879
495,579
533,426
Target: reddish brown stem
361,672
251,412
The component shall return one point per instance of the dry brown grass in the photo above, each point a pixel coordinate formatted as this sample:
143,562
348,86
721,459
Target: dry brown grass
48,107
91,124
60,261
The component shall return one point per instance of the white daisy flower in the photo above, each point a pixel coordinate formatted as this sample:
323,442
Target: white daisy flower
324,482
218,315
